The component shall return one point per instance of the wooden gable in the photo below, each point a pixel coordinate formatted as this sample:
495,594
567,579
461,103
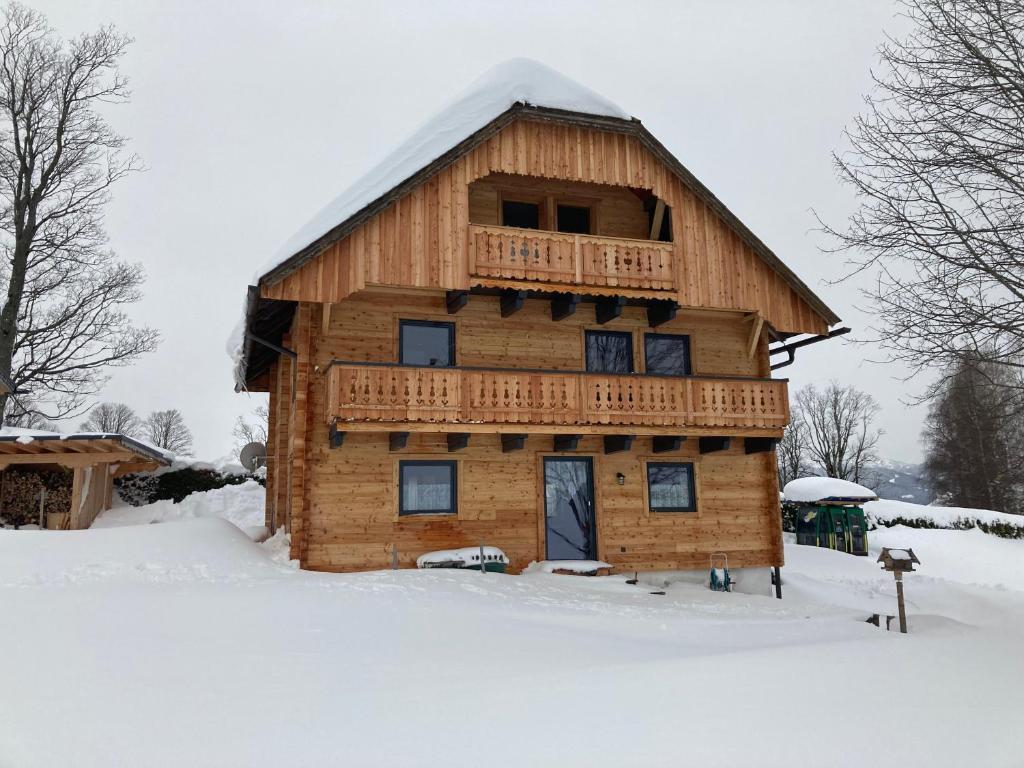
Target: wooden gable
421,238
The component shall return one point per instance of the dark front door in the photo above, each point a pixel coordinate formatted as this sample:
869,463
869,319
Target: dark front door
571,533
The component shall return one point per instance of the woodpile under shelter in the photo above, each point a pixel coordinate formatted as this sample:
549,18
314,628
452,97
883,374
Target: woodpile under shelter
64,481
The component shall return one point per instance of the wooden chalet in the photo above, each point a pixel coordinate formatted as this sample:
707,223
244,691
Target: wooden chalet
545,335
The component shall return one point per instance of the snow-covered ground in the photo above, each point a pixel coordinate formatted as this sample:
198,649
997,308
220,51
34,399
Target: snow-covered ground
186,643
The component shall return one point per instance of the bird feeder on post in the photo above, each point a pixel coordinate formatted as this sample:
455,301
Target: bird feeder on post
898,562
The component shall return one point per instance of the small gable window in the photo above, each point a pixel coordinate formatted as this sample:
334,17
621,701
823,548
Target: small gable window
667,354
423,342
574,219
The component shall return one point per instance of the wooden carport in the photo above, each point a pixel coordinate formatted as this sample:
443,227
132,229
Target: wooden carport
96,459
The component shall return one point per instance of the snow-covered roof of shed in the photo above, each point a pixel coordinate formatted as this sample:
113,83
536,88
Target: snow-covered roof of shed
517,81
814,489
26,437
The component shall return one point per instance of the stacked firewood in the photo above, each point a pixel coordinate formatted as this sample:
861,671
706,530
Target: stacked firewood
20,489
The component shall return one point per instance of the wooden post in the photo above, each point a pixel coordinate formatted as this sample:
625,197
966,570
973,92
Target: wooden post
899,601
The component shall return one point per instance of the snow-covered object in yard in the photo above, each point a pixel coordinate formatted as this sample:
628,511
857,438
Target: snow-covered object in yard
241,504
460,558
890,511
815,489
584,567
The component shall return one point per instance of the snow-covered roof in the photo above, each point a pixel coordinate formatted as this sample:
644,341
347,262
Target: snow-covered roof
814,489
517,81
24,436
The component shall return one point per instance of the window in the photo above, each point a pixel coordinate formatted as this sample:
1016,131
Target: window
609,352
422,342
426,488
666,354
573,218
670,487
516,214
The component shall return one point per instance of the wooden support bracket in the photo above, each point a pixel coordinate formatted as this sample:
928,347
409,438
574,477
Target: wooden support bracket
563,305
566,442
335,437
608,308
667,443
755,336
712,444
511,443
457,441
618,443
397,440
660,311
455,300
759,444
511,301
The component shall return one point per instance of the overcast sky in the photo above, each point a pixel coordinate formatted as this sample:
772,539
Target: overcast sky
250,116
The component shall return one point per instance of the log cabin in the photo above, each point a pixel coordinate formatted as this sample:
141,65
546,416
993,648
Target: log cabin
529,327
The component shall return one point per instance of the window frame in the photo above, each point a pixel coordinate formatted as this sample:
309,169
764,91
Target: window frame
453,508
689,352
587,332
692,508
402,323
528,199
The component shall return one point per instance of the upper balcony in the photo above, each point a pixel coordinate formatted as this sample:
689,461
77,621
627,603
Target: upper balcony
568,234
494,399
574,259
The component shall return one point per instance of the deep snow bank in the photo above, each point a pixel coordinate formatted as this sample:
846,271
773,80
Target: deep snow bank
241,504
188,550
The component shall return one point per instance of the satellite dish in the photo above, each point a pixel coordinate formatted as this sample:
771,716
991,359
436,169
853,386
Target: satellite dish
253,456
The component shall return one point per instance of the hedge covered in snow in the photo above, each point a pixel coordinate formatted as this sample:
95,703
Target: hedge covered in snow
183,477
887,513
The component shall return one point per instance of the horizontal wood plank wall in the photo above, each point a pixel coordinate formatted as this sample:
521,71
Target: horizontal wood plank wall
364,328
353,522
421,240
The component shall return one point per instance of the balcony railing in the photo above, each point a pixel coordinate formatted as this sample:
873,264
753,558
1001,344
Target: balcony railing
369,392
555,257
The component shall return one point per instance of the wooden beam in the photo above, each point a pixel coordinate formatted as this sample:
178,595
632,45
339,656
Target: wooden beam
66,459
712,444
608,308
563,305
325,319
455,300
660,311
667,443
511,443
759,444
566,442
755,336
659,215
618,443
397,440
457,441
335,437
440,427
511,301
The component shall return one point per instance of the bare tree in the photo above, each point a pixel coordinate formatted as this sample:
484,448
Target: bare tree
246,431
113,418
62,322
792,451
974,437
22,413
937,162
166,429
841,438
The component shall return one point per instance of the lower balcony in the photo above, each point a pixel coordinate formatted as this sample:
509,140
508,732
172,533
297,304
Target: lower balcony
554,400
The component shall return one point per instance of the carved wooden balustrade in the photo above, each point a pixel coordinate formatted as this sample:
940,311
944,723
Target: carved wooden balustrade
556,257
366,392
